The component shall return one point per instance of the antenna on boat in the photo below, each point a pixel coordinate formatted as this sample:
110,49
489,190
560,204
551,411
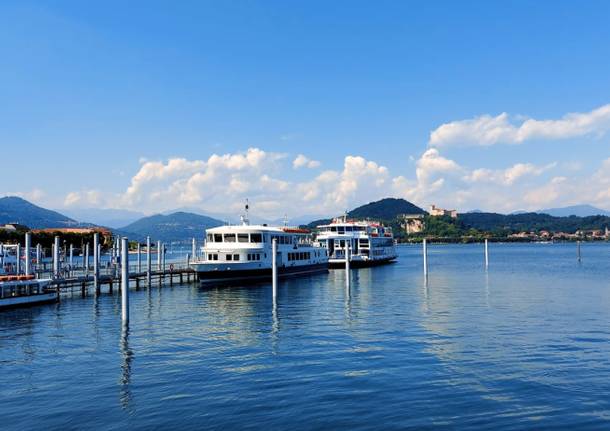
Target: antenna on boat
244,218
285,220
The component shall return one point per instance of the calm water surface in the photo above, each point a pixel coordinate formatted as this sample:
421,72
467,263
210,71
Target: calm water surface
525,345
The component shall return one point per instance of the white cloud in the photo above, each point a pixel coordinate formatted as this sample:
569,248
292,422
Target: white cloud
540,197
488,130
85,198
508,176
303,161
34,195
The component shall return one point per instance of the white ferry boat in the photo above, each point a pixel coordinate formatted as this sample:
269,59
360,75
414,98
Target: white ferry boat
243,253
17,290
370,243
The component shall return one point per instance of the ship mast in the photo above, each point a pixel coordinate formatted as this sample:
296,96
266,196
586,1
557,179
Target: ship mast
245,221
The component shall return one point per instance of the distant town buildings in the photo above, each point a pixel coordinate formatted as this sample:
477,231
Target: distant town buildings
412,223
438,212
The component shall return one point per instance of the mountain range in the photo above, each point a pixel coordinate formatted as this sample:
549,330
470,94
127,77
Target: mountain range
14,209
575,210
182,225
178,226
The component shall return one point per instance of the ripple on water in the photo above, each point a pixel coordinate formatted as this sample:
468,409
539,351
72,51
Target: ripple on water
524,346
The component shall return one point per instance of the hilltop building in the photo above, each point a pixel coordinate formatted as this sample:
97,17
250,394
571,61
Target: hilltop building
412,223
438,212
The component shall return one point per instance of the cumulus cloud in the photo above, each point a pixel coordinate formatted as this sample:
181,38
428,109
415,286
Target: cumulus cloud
303,161
486,130
221,183
85,198
507,176
34,195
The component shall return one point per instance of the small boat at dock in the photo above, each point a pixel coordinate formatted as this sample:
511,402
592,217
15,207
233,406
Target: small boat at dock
17,290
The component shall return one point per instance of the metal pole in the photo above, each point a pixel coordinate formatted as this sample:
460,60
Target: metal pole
28,246
71,258
194,248
148,261
56,258
163,252
18,252
159,255
486,254
425,254
125,280
139,258
347,264
96,262
38,257
274,267
87,259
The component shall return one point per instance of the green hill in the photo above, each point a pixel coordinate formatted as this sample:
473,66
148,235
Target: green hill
177,226
387,210
531,222
14,209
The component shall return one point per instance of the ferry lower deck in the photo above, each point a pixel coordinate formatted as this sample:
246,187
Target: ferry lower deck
255,275
360,263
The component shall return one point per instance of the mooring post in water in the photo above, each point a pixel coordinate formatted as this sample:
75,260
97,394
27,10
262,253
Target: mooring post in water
139,258
87,259
96,262
28,251
347,264
578,255
125,280
18,252
71,261
56,258
38,256
486,254
158,255
148,262
274,267
425,255
194,248
163,251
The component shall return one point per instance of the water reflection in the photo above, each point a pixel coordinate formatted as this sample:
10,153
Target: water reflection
126,360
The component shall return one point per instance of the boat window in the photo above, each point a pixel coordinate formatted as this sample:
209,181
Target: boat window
333,228
256,237
236,257
229,237
210,237
242,237
217,237
348,228
229,257
341,229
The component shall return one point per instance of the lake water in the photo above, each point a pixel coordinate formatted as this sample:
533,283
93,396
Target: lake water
525,345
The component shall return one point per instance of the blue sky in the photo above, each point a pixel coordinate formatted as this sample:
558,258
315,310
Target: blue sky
97,99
